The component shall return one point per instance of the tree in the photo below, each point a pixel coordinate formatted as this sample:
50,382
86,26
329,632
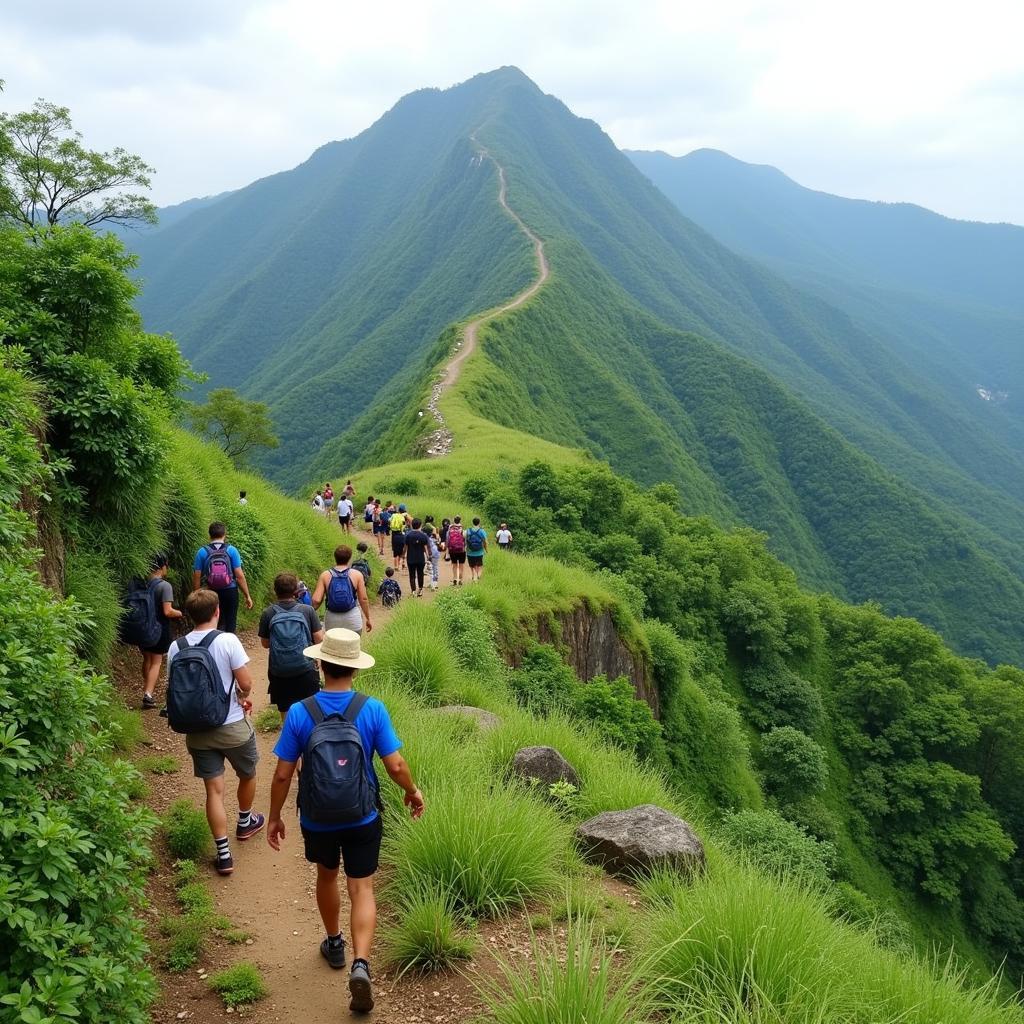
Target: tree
236,424
48,176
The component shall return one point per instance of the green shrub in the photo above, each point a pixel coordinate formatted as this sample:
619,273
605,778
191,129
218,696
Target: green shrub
88,579
268,720
792,763
778,696
159,764
186,831
415,656
185,871
196,900
490,849
239,985
123,726
778,845
188,939
429,934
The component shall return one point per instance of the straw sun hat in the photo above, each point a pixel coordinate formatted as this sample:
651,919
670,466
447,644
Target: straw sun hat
340,647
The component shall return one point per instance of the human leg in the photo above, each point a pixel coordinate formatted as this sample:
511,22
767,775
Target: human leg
328,899
228,599
150,671
363,922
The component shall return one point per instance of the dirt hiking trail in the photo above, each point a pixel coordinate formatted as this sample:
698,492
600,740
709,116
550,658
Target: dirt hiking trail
441,440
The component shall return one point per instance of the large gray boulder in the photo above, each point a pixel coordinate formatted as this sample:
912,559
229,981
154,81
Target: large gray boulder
544,764
626,843
484,719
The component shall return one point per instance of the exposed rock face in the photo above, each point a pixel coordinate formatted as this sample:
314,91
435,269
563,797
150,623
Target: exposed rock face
545,764
592,647
637,840
484,719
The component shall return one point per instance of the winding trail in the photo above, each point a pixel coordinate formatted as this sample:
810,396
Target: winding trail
441,440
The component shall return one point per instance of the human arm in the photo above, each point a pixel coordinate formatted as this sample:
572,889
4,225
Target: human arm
197,577
321,589
170,612
243,585
397,767
361,597
279,786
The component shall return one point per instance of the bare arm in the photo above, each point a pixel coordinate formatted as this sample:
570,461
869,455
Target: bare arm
243,585
243,680
364,601
398,769
318,636
321,588
197,578
170,612
279,786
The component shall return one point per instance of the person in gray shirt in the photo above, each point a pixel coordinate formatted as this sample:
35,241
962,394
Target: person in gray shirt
153,657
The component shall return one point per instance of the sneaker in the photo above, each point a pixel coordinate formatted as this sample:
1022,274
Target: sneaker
224,865
148,702
359,986
334,955
256,823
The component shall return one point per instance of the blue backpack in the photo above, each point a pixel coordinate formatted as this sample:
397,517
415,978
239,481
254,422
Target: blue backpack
341,595
289,637
196,698
334,784
140,624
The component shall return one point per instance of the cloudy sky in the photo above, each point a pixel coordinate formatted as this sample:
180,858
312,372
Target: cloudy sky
901,100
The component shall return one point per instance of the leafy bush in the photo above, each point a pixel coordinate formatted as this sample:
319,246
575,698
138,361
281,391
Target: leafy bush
429,933
186,831
778,845
268,720
123,726
792,763
778,696
87,578
239,985
613,708
188,939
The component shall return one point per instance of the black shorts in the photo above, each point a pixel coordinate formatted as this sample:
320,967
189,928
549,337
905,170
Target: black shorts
359,848
344,520
476,561
163,645
457,557
397,543
288,690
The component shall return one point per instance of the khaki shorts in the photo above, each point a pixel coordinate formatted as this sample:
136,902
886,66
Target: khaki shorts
235,742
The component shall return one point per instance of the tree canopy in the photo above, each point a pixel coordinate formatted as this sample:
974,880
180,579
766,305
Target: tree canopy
236,424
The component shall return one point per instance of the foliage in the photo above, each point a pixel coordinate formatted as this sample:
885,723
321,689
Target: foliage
159,764
239,426
792,763
268,720
47,176
186,831
778,696
776,844
239,985
429,934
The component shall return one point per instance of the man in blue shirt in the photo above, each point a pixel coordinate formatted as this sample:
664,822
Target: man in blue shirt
357,845
218,566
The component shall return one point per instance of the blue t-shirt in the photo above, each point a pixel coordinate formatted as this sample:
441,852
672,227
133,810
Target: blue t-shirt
203,556
373,723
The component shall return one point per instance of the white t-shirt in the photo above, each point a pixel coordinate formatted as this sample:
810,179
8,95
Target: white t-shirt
503,536
229,654
344,507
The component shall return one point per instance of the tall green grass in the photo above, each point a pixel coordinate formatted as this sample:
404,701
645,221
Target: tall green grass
430,933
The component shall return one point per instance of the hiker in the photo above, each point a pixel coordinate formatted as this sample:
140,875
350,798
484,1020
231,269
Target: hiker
328,499
286,629
443,543
218,567
190,663
380,529
397,526
368,513
433,551
302,594
242,499
456,546
417,547
347,604
390,590
318,503
476,547
362,564
504,537
345,510
350,491
158,610
336,733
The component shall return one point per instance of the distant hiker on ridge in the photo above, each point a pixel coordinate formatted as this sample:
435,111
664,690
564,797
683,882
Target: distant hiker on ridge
336,733
218,566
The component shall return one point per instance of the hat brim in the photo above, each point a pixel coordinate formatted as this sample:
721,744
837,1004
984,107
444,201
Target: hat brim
363,661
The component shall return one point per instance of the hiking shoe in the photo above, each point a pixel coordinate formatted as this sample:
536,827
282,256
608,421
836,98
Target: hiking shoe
148,702
256,823
334,955
359,986
224,865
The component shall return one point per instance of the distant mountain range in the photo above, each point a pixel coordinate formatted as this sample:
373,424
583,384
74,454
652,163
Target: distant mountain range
766,398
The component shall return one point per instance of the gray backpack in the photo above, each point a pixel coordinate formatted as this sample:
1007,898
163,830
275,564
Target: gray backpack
289,637
196,698
334,783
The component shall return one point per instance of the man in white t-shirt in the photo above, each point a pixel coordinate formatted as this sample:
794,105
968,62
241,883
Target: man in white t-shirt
345,510
235,740
504,537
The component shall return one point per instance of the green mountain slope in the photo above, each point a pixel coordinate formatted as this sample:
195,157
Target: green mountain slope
323,291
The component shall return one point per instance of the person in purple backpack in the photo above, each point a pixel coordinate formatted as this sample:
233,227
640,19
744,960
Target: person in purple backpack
218,567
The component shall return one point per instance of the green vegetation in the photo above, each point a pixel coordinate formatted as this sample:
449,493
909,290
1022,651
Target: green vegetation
239,985
159,764
186,831
238,426
268,720
429,935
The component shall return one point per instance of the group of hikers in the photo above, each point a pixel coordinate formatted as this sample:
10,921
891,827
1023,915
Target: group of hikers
323,504
328,727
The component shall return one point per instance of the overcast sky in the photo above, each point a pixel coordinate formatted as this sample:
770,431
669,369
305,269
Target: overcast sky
898,100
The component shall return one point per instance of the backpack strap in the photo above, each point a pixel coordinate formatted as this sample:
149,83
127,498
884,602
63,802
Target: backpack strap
312,706
208,639
181,644
355,705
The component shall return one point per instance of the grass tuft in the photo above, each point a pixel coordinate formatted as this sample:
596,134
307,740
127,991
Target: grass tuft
429,934
239,985
268,720
186,831
158,764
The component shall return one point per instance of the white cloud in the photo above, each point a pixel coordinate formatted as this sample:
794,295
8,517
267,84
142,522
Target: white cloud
899,100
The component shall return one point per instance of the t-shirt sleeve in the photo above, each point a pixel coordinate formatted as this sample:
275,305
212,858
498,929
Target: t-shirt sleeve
312,618
236,558
165,592
236,652
288,747
385,739
263,630
200,560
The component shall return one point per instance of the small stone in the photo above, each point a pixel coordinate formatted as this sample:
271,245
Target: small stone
248,942
183,1015
545,764
484,719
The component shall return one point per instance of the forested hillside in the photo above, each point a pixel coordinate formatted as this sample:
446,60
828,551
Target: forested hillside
322,290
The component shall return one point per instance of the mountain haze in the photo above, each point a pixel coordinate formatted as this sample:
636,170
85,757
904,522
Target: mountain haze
324,290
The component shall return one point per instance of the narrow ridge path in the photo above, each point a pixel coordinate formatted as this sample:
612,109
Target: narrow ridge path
441,440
